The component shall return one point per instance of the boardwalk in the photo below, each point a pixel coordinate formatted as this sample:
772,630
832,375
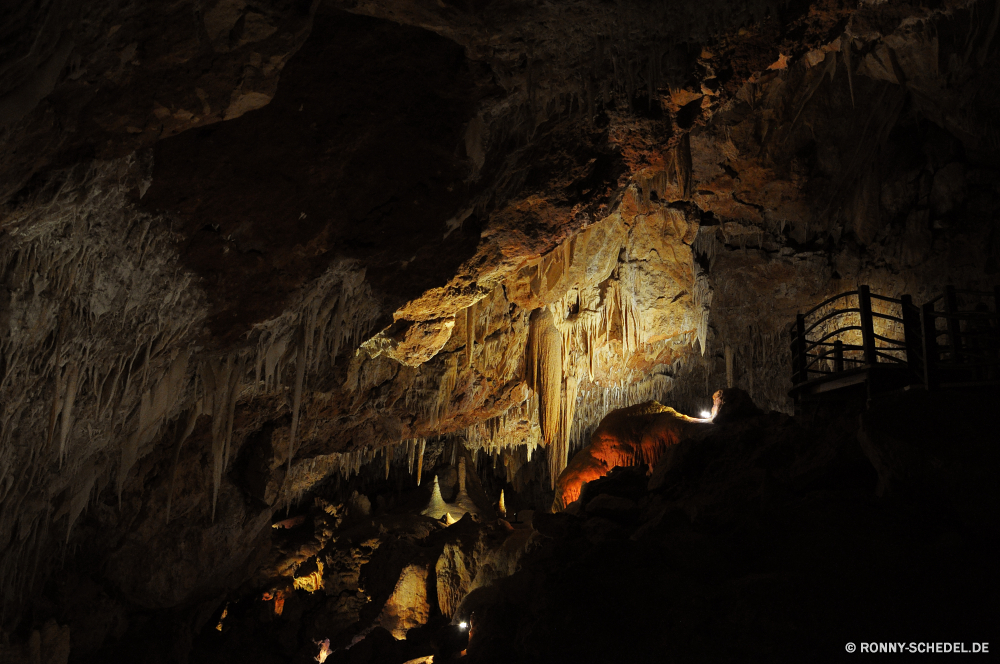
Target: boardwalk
860,338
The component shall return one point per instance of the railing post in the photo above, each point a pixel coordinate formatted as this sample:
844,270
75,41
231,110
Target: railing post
927,324
838,355
911,334
800,375
954,325
867,325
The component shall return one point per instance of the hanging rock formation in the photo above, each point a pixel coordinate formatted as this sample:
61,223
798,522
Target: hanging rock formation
252,250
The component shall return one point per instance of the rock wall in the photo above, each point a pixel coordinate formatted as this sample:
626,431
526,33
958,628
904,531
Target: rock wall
248,248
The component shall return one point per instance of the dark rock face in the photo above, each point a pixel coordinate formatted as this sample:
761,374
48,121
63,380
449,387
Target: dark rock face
762,540
355,157
733,404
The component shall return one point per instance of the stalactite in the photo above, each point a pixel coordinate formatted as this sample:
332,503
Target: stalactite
192,420
56,408
300,373
72,374
544,376
420,462
470,333
702,297
569,413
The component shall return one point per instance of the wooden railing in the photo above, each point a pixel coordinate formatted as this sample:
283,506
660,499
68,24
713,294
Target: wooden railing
962,338
829,340
858,330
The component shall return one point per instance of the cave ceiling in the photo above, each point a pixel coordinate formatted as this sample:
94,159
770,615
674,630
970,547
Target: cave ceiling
295,233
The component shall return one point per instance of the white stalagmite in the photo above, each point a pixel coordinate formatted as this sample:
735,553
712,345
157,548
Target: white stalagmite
436,507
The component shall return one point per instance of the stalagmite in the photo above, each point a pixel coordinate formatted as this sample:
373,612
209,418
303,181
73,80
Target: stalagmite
502,508
463,503
436,507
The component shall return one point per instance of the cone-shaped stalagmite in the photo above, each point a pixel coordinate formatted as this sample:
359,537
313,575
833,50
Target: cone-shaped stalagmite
436,507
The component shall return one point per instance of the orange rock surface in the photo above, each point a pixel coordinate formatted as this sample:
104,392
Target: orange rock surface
626,437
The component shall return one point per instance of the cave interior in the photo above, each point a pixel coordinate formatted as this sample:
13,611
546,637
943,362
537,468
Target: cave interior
491,331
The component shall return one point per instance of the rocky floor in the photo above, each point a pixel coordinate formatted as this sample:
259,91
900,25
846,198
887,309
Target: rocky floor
768,538
773,539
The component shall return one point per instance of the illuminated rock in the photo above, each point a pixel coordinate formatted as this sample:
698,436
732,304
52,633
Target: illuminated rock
641,435
407,606
463,504
626,437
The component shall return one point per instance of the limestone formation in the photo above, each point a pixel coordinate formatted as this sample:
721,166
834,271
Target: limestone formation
259,255
437,508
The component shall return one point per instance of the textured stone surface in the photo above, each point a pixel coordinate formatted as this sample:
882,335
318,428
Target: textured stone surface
246,247
764,534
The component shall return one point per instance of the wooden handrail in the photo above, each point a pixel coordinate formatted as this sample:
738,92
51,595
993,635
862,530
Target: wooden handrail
889,339
830,315
836,332
890,357
886,316
847,346
967,350
829,300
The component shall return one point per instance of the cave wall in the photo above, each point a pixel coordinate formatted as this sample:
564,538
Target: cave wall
246,247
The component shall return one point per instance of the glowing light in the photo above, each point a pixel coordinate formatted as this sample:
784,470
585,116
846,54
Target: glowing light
225,612
463,625
324,650
705,414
